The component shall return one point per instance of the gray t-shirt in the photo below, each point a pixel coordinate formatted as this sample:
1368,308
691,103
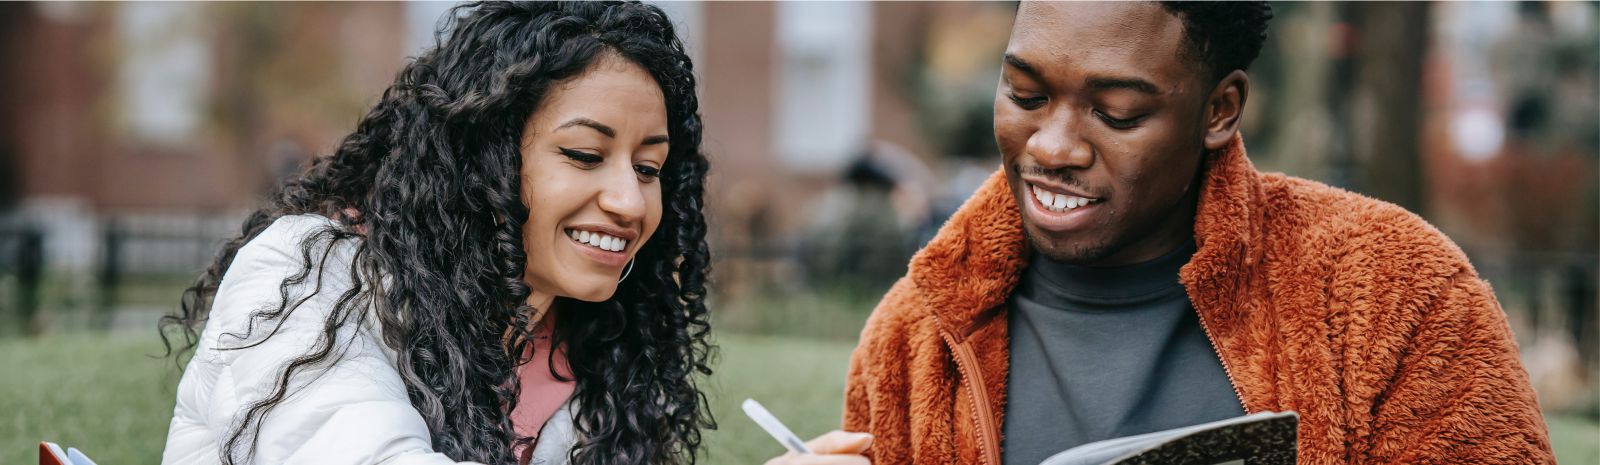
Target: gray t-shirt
1101,353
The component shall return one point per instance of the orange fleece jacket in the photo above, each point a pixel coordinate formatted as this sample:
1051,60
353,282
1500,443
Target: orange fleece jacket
1353,312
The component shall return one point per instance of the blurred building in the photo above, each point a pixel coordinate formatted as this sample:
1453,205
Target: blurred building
134,135
174,109
795,94
175,112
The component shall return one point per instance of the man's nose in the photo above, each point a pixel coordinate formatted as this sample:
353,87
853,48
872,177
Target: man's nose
1059,143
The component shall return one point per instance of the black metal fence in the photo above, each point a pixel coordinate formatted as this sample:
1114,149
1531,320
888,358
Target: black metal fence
141,264
22,263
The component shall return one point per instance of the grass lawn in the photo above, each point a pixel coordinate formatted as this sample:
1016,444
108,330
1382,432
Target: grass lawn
105,395
108,397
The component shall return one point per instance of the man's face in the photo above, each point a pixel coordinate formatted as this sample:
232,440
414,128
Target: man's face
1102,123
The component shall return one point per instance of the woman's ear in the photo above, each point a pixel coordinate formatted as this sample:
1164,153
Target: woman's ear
1225,108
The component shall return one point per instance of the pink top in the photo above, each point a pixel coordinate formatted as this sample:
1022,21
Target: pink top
542,394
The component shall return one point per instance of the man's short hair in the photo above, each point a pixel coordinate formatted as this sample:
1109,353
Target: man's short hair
1222,36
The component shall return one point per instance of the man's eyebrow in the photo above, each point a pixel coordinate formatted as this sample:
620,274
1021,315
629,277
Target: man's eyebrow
1130,83
591,124
1021,65
1097,83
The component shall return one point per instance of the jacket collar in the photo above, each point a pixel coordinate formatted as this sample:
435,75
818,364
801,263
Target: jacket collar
973,263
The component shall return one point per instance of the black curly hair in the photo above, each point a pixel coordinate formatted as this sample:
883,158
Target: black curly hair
1222,36
432,172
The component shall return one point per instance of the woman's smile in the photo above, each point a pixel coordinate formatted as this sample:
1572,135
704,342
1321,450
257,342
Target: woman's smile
604,244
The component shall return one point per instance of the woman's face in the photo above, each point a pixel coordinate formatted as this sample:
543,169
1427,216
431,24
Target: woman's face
591,155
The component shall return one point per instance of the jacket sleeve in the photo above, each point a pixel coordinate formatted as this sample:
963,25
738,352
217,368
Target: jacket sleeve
872,403
1461,395
857,407
354,410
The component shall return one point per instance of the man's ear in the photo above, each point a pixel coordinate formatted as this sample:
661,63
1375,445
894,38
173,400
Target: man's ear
1225,108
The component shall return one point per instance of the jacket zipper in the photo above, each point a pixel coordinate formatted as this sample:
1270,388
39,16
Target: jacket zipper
989,438
1225,370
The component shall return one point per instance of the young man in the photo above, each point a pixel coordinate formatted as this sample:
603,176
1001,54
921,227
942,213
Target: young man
1129,271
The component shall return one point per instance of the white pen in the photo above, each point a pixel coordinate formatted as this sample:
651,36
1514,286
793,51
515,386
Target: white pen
774,427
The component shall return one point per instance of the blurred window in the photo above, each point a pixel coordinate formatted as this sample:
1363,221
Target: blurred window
165,70
688,20
422,19
824,79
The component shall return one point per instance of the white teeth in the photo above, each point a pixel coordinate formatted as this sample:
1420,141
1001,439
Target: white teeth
599,240
1058,202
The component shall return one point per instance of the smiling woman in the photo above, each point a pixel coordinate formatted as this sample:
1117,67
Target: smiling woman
505,262
595,170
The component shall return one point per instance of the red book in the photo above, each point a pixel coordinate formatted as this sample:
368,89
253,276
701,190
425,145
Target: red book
51,454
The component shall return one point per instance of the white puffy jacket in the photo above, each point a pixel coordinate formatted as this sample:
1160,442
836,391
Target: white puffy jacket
354,412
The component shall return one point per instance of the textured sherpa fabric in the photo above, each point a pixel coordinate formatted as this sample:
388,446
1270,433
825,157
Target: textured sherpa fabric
1353,312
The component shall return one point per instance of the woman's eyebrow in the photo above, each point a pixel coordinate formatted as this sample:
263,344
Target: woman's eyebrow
607,131
591,124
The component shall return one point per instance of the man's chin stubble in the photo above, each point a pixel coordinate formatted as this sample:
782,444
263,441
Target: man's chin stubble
1074,254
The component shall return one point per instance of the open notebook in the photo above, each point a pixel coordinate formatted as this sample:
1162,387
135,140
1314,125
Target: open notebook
1260,439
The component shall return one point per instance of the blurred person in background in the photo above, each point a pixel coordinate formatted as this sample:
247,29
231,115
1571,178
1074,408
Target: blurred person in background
864,231
1128,271
504,263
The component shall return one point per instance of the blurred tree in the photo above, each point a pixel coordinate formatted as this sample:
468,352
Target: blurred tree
11,15
299,74
1549,171
1386,100
1290,85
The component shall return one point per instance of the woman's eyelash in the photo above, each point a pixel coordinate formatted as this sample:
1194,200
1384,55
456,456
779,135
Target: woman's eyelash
582,157
589,160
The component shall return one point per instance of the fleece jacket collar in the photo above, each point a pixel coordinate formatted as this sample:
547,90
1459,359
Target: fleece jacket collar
971,267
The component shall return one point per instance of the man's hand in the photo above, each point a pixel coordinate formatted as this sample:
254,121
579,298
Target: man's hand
835,448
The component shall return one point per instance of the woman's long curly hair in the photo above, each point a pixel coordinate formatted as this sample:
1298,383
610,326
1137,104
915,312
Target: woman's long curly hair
433,172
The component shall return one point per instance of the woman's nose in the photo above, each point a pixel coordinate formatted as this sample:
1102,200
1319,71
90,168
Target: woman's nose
623,196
